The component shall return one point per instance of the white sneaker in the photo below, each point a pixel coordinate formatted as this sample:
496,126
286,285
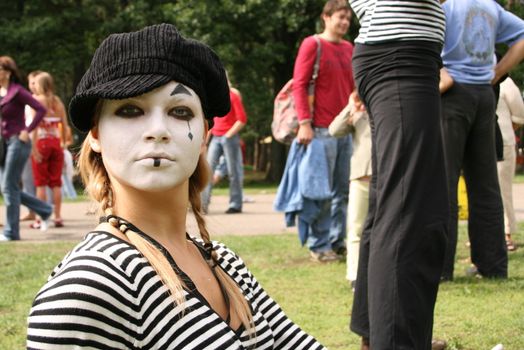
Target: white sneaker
4,239
44,225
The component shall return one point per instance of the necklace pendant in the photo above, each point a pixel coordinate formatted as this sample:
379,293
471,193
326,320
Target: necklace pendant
190,135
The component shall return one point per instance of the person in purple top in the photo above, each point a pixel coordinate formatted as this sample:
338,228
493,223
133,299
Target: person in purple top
15,135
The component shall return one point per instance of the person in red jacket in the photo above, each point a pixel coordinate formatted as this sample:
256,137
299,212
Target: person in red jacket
225,141
327,231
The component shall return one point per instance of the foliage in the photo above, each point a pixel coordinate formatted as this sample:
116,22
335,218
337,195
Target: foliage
470,313
257,40
517,73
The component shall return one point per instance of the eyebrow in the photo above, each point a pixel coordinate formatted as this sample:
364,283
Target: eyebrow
180,89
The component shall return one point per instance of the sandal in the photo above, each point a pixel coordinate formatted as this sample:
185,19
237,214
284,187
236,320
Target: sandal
510,244
35,225
59,223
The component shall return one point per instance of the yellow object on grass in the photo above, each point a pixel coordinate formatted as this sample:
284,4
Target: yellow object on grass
462,199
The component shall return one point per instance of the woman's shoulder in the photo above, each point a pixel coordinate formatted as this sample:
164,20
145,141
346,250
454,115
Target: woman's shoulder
97,291
13,90
101,255
15,87
102,242
18,89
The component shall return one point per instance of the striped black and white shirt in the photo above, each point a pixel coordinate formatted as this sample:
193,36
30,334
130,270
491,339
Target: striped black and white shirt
105,295
389,20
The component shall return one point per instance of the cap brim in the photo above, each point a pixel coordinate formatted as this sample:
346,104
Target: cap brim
82,106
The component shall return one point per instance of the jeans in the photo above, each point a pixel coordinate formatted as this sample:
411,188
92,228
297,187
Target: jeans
328,230
16,158
403,243
68,189
28,184
469,138
230,148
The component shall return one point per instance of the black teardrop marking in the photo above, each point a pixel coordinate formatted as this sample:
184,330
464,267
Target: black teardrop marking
189,134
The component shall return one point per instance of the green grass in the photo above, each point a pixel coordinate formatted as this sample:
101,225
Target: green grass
24,269
471,314
254,183
519,178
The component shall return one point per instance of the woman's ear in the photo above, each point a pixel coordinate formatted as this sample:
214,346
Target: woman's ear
94,142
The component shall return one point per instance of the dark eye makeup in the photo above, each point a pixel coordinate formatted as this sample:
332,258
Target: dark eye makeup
182,112
129,111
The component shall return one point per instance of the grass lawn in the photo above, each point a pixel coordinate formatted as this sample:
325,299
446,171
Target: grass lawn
471,314
519,178
254,183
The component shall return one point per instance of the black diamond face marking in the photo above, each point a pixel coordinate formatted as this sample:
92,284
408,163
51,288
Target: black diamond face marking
189,134
180,89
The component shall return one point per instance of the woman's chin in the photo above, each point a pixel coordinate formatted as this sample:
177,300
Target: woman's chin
156,186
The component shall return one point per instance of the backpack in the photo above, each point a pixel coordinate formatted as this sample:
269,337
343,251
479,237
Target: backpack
284,126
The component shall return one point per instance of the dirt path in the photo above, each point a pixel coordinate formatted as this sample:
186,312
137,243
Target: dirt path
258,217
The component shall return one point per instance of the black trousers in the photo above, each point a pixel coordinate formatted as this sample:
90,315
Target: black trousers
468,129
403,243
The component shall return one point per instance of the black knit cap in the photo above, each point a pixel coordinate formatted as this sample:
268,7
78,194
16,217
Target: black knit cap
131,64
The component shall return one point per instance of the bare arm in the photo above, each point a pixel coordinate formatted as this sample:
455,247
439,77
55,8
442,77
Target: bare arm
234,129
513,57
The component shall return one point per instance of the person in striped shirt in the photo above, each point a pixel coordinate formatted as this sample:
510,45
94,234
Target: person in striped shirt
396,65
139,281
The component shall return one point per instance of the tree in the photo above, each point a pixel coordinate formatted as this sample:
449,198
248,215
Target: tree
256,39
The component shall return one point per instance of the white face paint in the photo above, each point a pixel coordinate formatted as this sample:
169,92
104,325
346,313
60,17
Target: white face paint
144,140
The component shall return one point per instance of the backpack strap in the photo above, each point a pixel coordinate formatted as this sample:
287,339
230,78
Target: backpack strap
316,66
314,76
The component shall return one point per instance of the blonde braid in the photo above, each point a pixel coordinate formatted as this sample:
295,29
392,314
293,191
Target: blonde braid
238,304
94,176
98,186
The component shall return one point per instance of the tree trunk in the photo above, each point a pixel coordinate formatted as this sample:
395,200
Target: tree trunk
278,154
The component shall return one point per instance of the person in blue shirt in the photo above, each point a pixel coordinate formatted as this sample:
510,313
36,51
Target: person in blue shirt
473,27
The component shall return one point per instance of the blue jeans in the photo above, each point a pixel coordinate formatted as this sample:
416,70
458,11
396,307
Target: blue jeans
28,184
328,230
230,148
68,188
16,158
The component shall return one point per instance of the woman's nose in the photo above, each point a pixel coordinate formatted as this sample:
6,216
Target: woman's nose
156,129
